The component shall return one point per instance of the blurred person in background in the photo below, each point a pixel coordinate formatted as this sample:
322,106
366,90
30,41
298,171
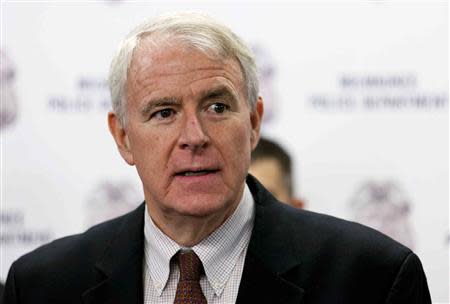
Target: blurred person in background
187,114
272,166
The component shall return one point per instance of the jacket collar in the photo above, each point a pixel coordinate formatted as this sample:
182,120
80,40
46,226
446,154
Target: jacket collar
271,265
119,270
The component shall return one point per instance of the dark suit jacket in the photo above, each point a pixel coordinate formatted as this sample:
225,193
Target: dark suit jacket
1,292
294,256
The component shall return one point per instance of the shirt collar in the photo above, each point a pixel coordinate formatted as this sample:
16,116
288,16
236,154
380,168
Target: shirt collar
219,252
159,249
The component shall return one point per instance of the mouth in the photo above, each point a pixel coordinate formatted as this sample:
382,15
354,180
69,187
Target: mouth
196,172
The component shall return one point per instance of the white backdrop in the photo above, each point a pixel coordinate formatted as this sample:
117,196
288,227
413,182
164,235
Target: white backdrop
358,94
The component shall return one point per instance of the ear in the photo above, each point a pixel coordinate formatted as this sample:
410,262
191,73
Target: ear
121,138
256,119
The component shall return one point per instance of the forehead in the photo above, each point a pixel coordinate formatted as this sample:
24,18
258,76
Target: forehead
158,63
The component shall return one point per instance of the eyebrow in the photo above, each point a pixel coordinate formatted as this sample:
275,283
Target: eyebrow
159,102
221,91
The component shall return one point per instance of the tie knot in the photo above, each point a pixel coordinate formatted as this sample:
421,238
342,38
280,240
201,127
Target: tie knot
191,267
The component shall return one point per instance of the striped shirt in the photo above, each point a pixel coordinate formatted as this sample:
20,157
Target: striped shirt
222,254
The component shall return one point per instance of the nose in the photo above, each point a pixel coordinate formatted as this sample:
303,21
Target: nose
192,136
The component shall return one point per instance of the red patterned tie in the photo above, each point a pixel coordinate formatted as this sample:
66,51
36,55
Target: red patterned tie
188,288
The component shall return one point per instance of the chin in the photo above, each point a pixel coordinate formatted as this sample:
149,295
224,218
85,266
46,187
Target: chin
202,205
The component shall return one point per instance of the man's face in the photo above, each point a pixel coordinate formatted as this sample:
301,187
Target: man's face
189,130
269,172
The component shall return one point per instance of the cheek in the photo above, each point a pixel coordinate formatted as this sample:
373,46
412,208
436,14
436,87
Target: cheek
236,148
148,150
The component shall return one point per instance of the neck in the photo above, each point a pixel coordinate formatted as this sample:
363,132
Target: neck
188,231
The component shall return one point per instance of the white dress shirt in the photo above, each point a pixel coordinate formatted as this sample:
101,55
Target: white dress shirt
222,254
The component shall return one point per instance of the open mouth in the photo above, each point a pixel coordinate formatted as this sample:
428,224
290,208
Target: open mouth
196,173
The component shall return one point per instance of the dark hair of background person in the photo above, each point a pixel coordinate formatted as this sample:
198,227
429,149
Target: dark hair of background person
272,165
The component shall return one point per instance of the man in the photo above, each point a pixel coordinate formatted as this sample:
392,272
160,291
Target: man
186,113
272,166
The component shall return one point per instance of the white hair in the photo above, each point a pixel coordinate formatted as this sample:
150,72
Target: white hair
192,29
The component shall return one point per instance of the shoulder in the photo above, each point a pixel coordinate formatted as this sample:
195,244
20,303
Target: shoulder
315,231
72,253
337,257
334,249
319,241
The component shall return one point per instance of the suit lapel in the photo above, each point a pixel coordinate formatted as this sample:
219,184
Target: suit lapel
259,285
271,264
119,270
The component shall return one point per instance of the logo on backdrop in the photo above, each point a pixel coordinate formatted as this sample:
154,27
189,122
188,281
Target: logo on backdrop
378,92
16,233
113,2
91,95
110,199
9,106
267,72
382,205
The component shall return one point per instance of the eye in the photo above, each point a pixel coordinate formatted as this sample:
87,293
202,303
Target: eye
164,113
218,107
